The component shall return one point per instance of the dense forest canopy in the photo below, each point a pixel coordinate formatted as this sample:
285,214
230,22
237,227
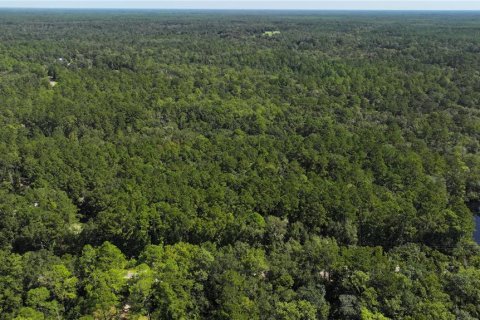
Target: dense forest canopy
239,165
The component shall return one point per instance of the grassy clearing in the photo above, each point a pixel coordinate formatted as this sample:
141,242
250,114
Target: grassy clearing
271,33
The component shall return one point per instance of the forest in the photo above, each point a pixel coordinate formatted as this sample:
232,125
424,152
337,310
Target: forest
239,165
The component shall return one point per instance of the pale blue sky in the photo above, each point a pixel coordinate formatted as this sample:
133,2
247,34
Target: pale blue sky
251,4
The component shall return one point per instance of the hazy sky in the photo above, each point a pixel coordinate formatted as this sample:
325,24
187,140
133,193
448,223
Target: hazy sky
252,4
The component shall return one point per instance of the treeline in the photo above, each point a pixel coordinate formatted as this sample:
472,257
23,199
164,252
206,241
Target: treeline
190,165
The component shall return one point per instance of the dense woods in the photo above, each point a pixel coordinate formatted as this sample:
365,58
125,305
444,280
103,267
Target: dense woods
234,165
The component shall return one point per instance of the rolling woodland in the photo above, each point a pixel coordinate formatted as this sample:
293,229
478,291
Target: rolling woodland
239,165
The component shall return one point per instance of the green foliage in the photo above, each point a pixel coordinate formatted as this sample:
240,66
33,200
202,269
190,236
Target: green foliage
238,166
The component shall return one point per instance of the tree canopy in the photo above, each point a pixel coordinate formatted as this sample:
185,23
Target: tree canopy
239,165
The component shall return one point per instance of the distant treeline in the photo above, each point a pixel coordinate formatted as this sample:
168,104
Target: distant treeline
196,165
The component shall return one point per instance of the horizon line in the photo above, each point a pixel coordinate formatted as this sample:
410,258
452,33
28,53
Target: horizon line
241,9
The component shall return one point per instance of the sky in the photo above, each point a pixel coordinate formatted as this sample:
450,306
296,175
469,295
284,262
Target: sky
251,4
